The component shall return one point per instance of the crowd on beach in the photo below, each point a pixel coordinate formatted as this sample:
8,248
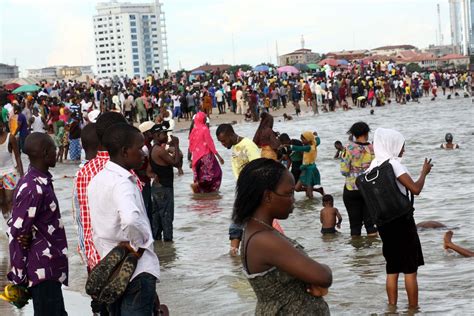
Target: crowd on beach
126,128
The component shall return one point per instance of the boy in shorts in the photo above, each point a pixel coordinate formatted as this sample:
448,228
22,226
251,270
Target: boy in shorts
328,216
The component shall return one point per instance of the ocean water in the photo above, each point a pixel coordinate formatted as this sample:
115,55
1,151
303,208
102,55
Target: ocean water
199,277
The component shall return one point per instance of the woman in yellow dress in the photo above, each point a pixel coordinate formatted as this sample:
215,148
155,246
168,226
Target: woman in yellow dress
266,139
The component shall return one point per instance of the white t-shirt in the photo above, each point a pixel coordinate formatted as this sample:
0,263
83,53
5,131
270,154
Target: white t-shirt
399,170
219,95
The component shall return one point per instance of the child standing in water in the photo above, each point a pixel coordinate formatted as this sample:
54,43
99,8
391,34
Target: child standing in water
328,216
310,176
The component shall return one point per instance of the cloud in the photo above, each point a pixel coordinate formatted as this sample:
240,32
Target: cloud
38,33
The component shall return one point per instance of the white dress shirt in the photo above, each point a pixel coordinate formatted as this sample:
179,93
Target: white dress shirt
118,214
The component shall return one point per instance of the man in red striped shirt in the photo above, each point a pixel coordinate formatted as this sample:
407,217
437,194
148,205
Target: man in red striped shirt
84,177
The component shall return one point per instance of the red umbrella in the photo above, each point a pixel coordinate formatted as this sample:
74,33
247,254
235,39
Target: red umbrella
329,61
12,86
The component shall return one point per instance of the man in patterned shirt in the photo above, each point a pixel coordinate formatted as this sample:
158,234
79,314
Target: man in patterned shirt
43,266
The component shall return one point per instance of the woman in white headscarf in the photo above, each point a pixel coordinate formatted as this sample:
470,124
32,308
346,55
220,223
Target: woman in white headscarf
401,245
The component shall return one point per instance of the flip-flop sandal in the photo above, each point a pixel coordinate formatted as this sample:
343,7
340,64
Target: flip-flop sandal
118,282
101,273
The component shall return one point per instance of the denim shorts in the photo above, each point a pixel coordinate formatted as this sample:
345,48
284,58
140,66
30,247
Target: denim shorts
235,231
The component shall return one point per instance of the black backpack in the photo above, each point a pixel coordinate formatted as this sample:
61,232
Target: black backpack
382,196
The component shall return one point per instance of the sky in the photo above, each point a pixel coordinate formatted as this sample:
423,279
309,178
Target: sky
40,33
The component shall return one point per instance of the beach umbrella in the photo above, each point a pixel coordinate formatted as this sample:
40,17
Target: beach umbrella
329,61
12,86
27,88
288,69
343,62
313,66
301,67
198,72
261,68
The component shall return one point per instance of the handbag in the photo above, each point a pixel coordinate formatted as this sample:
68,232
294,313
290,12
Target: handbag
382,196
110,277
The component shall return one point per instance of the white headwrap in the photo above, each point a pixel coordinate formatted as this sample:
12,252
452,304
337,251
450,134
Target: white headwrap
387,145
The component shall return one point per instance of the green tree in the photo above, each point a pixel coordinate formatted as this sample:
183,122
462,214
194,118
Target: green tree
412,67
244,67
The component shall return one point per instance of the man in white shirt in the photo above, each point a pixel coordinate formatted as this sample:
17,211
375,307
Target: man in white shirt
118,216
220,100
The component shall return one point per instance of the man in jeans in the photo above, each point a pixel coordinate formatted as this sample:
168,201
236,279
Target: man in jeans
244,150
162,163
42,266
118,216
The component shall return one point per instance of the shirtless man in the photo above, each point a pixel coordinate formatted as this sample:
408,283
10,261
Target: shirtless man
161,170
328,216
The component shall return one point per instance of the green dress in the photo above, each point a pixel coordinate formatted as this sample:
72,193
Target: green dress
310,175
278,293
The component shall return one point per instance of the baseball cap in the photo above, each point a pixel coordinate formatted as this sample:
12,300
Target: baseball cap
146,126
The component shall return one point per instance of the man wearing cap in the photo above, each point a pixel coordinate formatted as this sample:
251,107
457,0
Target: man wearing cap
161,166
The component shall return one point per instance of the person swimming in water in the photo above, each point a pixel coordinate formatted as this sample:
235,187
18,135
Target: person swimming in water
448,244
449,142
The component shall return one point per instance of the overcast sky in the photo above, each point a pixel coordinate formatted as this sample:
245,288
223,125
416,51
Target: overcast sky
39,33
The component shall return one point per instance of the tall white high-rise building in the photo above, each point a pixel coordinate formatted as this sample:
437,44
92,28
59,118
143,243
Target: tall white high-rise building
130,39
455,17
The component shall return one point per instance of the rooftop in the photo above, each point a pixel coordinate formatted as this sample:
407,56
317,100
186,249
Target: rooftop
395,47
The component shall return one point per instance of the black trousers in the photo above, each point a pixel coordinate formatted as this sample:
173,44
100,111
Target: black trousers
48,299
358,212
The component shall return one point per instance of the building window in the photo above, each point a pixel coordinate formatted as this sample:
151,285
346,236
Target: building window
147,50
153,23
134,37
154,36
153,16
148,63
132,17
133,23
154,29
136,63
133,30
134,50
155,42
135,56
136,70
145,17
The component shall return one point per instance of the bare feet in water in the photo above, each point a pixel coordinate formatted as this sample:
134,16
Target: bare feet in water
195,187
234,252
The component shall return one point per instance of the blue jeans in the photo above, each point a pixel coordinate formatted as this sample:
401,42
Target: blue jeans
162,212
138,299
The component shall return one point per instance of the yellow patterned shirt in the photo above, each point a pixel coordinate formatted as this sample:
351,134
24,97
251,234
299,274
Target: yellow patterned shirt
242,153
